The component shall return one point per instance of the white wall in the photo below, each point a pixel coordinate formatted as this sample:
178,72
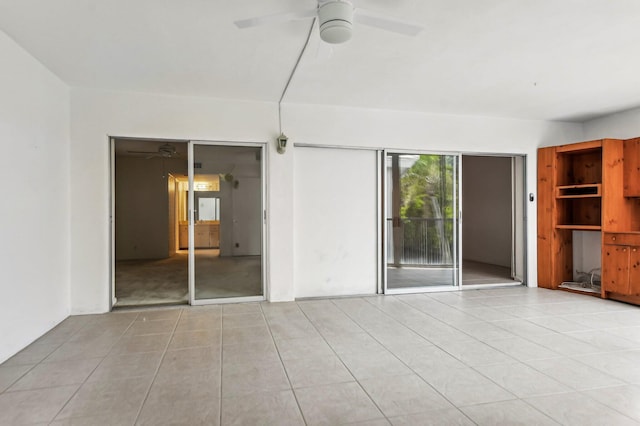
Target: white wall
486,209
313,124
335,222
34,182
623,125
142,208
96,114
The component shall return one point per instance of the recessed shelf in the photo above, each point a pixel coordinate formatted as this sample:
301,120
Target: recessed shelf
580,227
579,191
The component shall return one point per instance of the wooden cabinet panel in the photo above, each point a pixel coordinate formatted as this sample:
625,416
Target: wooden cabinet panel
634,270
616,214
205,236
615,269
184,236
546,211
214,236
201,236
632,167
620,238
580,167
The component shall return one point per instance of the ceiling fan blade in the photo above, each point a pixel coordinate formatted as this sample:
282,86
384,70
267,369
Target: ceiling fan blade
386,24
275,18
142,152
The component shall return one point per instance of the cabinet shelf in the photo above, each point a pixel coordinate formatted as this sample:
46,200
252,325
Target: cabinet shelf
580,227
579,191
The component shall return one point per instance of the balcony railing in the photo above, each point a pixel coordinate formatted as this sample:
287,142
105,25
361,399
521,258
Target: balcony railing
423,242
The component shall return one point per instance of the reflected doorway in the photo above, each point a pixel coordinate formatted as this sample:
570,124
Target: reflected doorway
149,267
154,248
227,214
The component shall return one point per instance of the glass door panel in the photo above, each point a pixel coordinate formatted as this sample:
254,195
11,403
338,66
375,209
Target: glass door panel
226,222
421,221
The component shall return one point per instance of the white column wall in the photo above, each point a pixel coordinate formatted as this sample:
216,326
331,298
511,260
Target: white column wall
34,183
97,114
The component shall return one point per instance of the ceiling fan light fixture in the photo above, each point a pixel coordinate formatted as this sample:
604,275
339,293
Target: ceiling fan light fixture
336,21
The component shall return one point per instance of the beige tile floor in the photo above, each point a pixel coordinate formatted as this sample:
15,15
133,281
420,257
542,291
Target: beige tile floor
487,357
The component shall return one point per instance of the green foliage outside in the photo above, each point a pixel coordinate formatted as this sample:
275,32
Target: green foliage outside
427,209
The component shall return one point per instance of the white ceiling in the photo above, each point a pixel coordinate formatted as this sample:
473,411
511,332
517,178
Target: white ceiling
538,59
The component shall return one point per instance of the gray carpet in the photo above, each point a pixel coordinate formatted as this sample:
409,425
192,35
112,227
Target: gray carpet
165,281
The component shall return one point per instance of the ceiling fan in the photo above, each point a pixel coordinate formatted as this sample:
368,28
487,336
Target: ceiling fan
335,20
165,151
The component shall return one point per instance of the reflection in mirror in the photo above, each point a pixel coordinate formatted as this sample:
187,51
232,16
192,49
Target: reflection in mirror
208,208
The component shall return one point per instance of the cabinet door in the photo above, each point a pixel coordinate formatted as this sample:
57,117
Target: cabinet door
615,269
634,270
184,236
632,167
201,237
214,236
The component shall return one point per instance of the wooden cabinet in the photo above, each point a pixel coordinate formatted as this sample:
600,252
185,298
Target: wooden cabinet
579,189
621,263
591,186
201,236
632,167
206,235
570,185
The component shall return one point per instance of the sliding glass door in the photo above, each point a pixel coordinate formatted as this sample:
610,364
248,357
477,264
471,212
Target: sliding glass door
421,205
226,222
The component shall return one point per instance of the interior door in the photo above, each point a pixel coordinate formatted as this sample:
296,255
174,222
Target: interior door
421,229
226,249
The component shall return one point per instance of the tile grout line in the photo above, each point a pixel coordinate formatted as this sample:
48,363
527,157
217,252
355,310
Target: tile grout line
155,374
467,365
284,368
355,380
517,361
396,357
363,315
42,361
98,365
